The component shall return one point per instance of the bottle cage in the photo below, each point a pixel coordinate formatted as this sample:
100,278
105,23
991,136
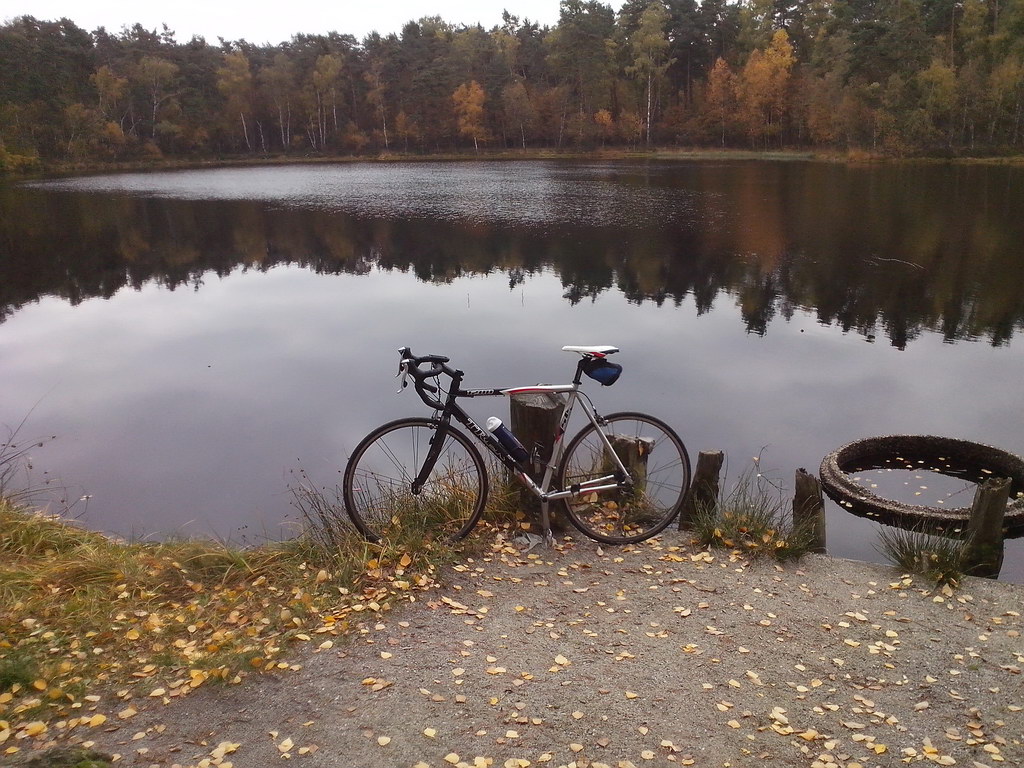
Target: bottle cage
603,371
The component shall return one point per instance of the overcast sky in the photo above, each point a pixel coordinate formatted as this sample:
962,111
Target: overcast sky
258,21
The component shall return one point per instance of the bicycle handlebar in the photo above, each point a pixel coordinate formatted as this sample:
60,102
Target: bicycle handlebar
410,365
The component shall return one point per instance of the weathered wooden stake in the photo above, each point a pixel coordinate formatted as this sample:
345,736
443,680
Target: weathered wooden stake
809,508
534,417
704,487
983,554
633,453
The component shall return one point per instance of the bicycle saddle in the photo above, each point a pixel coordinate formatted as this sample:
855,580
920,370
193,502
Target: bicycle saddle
601,350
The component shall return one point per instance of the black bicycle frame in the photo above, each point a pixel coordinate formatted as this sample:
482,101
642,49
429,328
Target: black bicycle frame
451,409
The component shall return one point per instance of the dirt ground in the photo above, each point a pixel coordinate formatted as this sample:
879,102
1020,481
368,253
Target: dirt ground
651,655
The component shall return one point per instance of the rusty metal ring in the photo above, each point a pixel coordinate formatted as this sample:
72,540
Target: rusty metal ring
975,458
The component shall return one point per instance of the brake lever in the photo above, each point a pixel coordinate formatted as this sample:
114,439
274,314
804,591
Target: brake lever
403,371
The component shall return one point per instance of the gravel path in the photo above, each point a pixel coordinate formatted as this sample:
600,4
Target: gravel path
650,655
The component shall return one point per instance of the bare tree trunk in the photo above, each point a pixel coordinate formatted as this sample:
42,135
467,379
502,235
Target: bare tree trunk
522,133
280,123
1016,123
245,132
648,109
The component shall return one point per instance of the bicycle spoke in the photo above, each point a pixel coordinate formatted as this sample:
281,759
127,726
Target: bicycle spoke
378,482
655,459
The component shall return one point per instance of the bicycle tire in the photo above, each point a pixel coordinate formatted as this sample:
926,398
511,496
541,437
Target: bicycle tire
627,516
379,474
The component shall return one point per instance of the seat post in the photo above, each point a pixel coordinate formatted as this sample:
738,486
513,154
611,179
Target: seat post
579,371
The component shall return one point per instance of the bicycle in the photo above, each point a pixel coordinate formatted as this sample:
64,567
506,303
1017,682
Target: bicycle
622,478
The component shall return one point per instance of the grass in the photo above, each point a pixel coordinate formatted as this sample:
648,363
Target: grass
83,615
752,519
937,558
89,622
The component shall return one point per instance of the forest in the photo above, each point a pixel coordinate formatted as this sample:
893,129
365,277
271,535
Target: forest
885,77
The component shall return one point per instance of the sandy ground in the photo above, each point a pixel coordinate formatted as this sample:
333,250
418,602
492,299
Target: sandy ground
650,655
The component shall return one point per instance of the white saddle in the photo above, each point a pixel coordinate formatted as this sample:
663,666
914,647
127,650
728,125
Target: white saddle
600,350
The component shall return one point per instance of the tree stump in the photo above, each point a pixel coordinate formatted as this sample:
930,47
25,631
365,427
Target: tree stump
633,453
534,419
704,488
809,508
983,554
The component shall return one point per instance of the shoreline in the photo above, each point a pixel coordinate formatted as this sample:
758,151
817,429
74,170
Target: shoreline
852,158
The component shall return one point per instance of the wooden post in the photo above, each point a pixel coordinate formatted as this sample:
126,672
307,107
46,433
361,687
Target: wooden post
703,488
809,508
633,453
983,554
534,419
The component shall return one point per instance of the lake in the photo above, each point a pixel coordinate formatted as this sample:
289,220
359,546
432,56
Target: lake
193,339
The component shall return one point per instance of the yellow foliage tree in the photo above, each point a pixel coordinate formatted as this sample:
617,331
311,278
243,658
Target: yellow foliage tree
468,99
763,86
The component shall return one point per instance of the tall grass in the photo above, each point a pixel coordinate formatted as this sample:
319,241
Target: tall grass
15,460
753,519
938,558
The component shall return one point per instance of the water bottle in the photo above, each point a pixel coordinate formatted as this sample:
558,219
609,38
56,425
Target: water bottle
507,439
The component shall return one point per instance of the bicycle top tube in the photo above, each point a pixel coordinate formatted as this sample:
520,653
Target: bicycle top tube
410,366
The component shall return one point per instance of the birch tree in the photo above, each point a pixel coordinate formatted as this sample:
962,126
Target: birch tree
650,52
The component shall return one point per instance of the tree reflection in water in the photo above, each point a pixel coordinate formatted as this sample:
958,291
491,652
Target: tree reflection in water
890,251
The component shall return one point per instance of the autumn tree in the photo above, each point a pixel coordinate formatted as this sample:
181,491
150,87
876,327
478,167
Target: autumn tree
468,100
763,85
720,97
234,81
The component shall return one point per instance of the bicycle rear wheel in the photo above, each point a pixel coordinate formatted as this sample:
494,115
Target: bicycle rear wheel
657,462
377,487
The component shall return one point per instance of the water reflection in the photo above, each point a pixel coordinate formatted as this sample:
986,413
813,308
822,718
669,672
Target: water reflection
264,307
884,251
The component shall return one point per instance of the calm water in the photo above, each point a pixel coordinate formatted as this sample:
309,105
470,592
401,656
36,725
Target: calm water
192,338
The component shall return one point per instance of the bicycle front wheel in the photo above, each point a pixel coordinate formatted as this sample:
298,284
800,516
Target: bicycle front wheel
378,482
659,468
